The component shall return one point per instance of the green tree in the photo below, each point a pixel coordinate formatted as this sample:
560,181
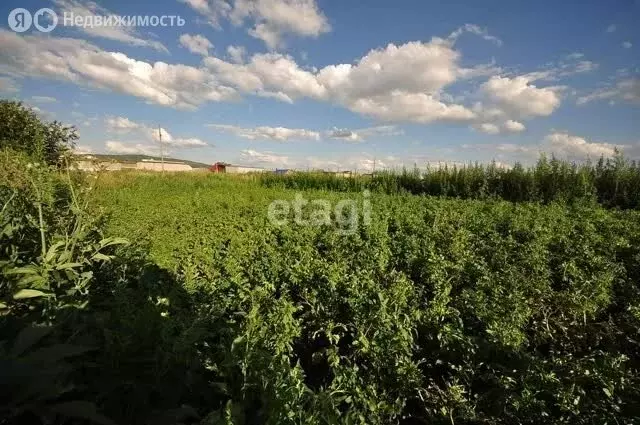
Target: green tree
21,129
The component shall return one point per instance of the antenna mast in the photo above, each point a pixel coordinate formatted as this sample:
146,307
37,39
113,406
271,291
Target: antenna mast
161,147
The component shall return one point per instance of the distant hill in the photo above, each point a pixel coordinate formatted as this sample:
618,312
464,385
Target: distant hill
132,159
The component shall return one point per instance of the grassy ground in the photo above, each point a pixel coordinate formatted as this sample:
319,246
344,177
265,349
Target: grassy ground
441,310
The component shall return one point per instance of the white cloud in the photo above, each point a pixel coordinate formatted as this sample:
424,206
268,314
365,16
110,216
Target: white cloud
83,63
363,133
271,19
509,126
474,29
44,99
237,53
627,45
611,28
554,71
268,74
576,148
158,134
263,158
280,134
191,142
489,128
521,99
125,34
123,125
131,149
627,90
414,107
414,67
560,144
514,126
396,83
197,44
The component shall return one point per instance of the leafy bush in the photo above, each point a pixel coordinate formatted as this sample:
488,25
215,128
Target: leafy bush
22,130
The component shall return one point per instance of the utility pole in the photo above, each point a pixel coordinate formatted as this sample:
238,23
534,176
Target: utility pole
161,148
374,165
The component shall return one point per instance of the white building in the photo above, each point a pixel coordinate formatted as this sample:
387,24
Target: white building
242,169
94,166
154,165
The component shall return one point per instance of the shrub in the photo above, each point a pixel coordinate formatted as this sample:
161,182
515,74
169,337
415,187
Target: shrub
21,129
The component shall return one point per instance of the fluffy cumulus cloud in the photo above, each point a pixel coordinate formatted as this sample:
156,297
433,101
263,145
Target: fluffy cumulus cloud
254,157
395,83
236,53
489,128
519,98
398,83
118,147
509,126
124,34
269,20
125,126
121,124
514,126
271,74
411,107
561,144
576,147
197,44
279,134
83,63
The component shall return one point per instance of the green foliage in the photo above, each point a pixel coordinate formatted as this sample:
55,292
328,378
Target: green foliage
22,130
613,182
441,311
35,379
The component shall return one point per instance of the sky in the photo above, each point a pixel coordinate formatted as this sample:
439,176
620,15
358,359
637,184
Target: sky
337,85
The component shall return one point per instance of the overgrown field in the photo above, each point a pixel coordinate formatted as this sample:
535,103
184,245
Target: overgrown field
132,298
439,311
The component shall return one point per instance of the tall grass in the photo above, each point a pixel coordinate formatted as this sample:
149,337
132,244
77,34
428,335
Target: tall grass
613,182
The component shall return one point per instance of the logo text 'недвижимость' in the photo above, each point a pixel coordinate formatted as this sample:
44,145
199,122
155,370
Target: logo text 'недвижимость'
46,20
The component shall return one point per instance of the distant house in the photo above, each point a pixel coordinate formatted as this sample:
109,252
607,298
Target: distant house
223,167
219,167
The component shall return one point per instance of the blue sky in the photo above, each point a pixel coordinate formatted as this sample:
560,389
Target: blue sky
337,85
